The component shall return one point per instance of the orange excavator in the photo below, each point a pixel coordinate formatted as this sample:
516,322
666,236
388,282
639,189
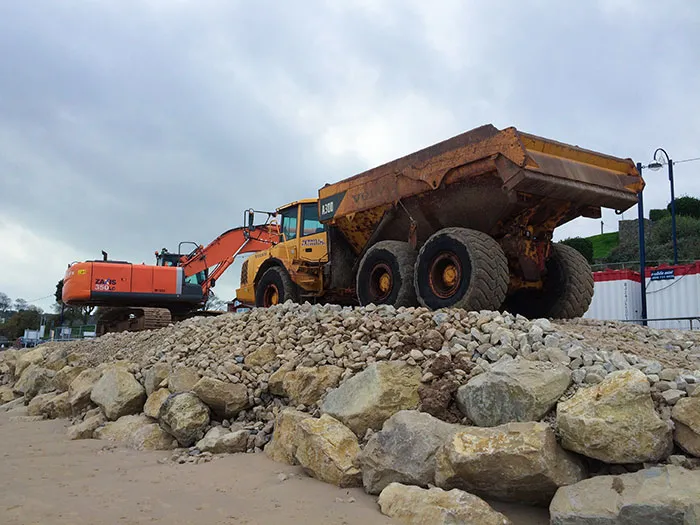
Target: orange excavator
143,297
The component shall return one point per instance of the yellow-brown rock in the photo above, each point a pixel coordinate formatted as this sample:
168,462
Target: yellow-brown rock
615,421
285,438
328,451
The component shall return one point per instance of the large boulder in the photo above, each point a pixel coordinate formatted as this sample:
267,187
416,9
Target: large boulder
26,358
155,400
686,416
275,385
306,385
34,380
404,451
417,506
519,462
37,404
225,399
372,396
615,421
118,393
65,376
154,377
57,406
222,441
286,437
86,428
515,390
8,360
136,431
328,451
7,394
185,417
261,356
81,387
666,495
182,379
55,360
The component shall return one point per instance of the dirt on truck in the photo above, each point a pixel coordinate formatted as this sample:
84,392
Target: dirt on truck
467,222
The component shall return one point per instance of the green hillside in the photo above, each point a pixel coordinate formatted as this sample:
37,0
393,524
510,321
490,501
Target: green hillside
604,244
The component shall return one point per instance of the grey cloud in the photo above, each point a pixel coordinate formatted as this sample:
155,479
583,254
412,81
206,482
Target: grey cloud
138,124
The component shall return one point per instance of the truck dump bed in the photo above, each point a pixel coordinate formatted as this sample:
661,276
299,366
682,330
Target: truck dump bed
484,179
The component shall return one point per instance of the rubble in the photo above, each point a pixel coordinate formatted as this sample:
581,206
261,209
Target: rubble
377,395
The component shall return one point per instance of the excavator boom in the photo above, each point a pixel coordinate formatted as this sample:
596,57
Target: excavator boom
222,251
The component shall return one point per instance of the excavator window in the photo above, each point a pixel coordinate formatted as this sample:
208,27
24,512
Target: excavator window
197,278
289,223
310,223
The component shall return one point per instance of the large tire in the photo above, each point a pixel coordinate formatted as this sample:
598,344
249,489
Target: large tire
567,290
275,287
385,275
461,268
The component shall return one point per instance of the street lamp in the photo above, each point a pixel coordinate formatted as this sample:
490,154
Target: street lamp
658,163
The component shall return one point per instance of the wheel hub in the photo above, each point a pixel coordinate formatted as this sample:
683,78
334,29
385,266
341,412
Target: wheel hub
384,283
380,282
445,274
272,295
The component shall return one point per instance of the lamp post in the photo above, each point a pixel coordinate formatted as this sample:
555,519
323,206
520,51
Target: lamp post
642,249
658,163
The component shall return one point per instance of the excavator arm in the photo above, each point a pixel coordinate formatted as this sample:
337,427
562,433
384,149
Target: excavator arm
219,254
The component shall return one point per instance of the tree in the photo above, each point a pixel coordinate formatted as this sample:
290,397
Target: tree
58,294
71,313
19,322
5,302
584,246
687,206
657,215
21,305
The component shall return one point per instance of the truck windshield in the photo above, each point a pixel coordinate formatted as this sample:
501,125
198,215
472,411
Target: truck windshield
310,224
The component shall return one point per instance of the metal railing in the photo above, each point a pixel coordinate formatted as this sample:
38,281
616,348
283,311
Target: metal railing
634,265
690,320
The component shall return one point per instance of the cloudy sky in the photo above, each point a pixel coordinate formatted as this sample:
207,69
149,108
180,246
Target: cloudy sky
129,126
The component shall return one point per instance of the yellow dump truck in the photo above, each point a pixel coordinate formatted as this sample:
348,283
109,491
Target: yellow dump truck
467,222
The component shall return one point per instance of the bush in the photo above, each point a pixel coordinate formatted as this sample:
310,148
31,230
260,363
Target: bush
686,206
657,215
584,246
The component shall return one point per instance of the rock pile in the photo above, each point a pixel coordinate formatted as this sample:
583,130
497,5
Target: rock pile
432,410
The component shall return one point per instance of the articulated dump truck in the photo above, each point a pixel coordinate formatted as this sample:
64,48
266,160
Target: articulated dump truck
467,223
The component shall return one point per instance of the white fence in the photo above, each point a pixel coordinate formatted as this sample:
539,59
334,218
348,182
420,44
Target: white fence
672,292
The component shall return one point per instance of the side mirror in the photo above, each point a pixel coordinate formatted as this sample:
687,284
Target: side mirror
213,283
251,219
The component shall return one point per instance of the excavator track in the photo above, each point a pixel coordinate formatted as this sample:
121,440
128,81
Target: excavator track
133,319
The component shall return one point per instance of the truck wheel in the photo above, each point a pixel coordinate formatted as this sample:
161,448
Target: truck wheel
567,290
275,287
385,275
461,268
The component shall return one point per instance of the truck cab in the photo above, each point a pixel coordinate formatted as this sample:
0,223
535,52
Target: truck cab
292,268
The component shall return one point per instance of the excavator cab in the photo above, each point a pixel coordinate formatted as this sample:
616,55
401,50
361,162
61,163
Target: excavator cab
165,258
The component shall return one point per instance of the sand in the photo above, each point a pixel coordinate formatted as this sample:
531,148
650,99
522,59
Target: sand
47,479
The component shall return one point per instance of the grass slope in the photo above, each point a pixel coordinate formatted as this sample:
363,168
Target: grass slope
603,244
